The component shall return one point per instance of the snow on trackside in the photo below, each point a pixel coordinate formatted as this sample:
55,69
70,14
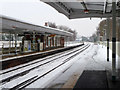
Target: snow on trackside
73,43
41,83
37,72
94,58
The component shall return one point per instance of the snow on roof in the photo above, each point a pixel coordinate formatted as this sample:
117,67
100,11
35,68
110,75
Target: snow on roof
84,8
17,26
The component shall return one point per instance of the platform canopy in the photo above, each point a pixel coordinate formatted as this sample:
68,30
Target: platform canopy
84,8
11,25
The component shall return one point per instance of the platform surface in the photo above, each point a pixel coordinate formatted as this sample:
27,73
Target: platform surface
92,79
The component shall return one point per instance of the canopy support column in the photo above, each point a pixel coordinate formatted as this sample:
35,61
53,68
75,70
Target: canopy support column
103,38
114,40
15,43
98,36
9,43
108,29
66,40
118,46
34,40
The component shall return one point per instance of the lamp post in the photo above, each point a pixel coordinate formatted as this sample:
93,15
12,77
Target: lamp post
103,38
108,29
98,35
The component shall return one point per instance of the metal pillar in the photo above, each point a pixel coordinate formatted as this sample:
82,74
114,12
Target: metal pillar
34,40
114,40
108,29
118,46
54,41
103,39
98,36
9,43
66,40
15,43
103,36
12,39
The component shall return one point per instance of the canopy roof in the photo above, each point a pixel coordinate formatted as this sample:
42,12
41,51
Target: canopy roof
10,25
84,8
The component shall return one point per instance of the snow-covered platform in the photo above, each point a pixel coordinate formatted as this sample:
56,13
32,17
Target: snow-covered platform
22,59
92,79
96,79
92,59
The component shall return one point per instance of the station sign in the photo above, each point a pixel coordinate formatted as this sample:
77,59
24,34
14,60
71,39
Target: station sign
52,35
27,45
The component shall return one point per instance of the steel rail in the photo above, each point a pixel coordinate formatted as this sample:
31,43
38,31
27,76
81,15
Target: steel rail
30,81
27,71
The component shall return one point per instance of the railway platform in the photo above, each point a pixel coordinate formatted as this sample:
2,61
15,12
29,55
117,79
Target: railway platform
88,66
96,79
25,39
90,71
22,59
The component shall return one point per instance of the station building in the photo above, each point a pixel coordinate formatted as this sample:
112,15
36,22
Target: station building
33,37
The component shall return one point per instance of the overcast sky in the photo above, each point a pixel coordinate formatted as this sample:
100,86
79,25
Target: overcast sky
37,12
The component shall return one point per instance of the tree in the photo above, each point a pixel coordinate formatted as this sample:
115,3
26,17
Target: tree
93,38
53,25
102,26
65,28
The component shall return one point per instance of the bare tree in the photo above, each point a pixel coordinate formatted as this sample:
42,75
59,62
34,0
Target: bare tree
102,27
53,25
65,28
62,27
69,30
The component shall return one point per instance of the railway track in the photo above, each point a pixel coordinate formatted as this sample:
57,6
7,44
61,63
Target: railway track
4,80
33,62
35,78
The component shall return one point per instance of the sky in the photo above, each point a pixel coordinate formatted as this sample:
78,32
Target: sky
37,12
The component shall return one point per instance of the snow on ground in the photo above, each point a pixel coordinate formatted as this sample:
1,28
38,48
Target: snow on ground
94,58
72,43
5,44
41,83
40,71
67,44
